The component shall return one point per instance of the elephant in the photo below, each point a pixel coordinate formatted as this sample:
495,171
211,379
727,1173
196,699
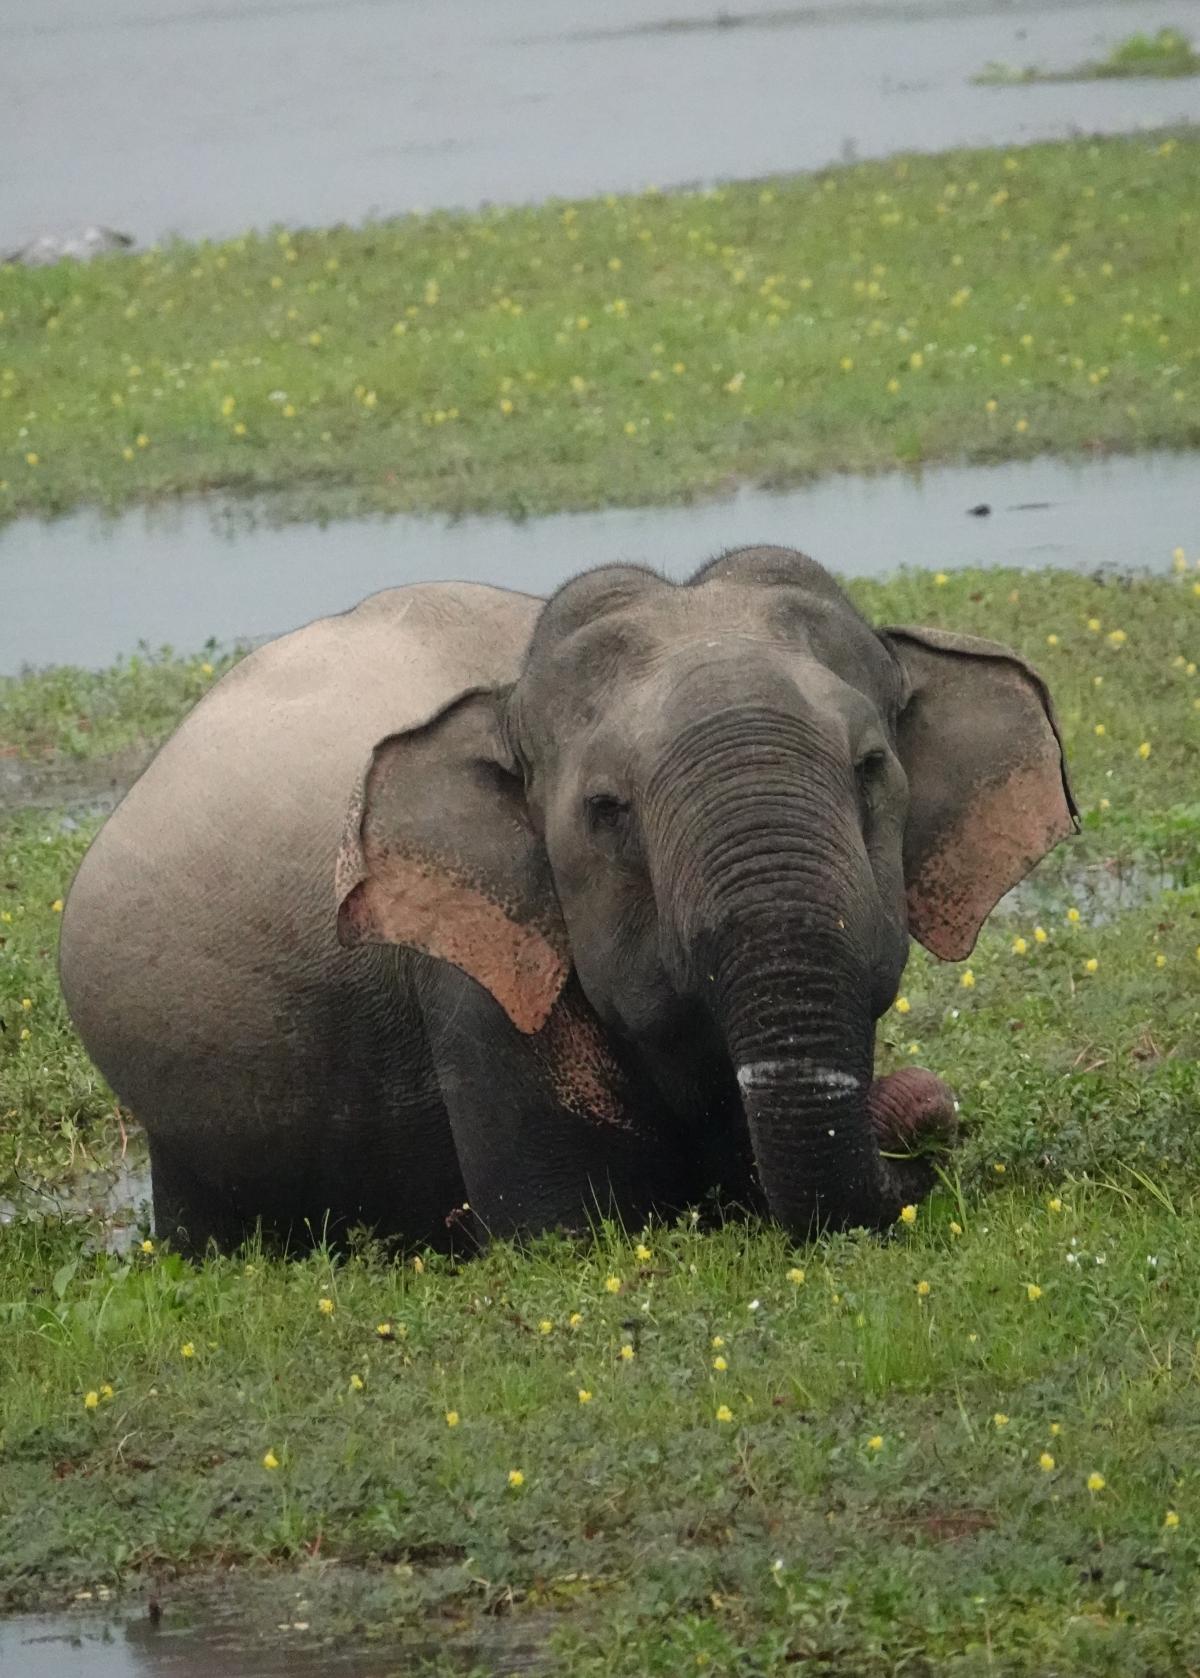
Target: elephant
467,914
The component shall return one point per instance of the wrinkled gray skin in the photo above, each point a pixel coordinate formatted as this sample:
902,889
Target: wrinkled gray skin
626,884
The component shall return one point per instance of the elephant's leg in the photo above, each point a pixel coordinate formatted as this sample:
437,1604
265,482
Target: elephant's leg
189,1212
549,1132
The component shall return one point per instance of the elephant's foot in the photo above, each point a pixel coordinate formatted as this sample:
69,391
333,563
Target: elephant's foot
910,1107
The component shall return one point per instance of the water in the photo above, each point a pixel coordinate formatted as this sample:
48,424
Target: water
115,1202
249,112
83,589
104,1644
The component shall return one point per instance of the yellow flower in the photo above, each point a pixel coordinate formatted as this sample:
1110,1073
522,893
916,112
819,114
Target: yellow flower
724,1413
1032,1292
384,1330
902,1005
1052,640
847,364
270,1460
717,1340
916,360
922,1289
908,1214
1045,1462
289,410
1022,425
720,1364
1040,935
990,405
1094,625
642,1253
999,1167
612,1284
1073,916
1116,637
1160,960
56,908
1019,946
515,1478
631,428
1099,730
1000,1419
228,404
325,1306
628,1353
27,1003
940,579
796,1276
90,1400
545,1326
147,1246
574,1320
1055,1429
1090,965
239,429
31,459
968,980
187,1350
1144,750
875,1442
452,1418
893,386
418,1265
1096,1482
585,1396
955,1228
1055,1204
1170,1519
106,1391
143,442
356,1383
506,406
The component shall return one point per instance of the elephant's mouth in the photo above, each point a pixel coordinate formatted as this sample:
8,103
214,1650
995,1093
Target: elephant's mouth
910,1109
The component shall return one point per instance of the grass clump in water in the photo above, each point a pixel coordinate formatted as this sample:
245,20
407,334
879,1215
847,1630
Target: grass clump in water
1167,53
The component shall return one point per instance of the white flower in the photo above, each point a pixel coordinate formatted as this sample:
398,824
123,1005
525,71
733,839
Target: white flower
1071,1259
1101,1258
753,1305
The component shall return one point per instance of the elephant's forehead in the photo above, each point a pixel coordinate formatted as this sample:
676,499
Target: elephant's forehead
674,628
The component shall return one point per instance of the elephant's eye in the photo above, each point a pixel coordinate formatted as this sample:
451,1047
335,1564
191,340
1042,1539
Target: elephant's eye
605,813
867,773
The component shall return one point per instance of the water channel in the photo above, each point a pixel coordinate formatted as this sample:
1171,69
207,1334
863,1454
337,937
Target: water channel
84,589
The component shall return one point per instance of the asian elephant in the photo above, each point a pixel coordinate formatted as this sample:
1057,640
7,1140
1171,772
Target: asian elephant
554,908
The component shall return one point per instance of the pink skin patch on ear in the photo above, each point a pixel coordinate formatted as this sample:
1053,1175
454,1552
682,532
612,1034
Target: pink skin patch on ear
1004,830
405,902
910,1105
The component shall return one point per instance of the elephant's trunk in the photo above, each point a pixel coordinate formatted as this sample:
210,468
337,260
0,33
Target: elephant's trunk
758,838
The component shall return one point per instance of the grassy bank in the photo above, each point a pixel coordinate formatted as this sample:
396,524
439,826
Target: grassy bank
969,1448
982,304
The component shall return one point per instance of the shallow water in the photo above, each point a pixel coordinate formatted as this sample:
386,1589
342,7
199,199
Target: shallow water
112,1644
249,112
115,1202
83,589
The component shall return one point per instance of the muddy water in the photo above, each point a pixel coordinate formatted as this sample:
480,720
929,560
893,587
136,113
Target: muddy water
98,1645
318,111
82,590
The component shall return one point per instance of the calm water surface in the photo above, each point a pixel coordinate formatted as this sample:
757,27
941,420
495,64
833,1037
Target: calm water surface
204,117
83,590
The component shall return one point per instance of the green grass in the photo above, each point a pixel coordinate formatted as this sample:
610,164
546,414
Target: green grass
646,1534
1168,53
625,350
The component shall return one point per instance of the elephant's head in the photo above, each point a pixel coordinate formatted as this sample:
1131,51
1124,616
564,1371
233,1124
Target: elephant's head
726,804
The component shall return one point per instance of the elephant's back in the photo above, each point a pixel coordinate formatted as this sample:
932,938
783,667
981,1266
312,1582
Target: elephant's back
201,925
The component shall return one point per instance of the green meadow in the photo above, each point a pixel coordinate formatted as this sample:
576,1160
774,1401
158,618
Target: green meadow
979,305
967,1447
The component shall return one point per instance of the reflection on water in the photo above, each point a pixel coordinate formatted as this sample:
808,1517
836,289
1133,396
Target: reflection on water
183,573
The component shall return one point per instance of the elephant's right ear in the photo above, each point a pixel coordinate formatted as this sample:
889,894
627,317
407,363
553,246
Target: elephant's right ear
440,855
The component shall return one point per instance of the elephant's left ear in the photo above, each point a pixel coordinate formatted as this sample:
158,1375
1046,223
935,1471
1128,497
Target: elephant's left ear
440,855
988,791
